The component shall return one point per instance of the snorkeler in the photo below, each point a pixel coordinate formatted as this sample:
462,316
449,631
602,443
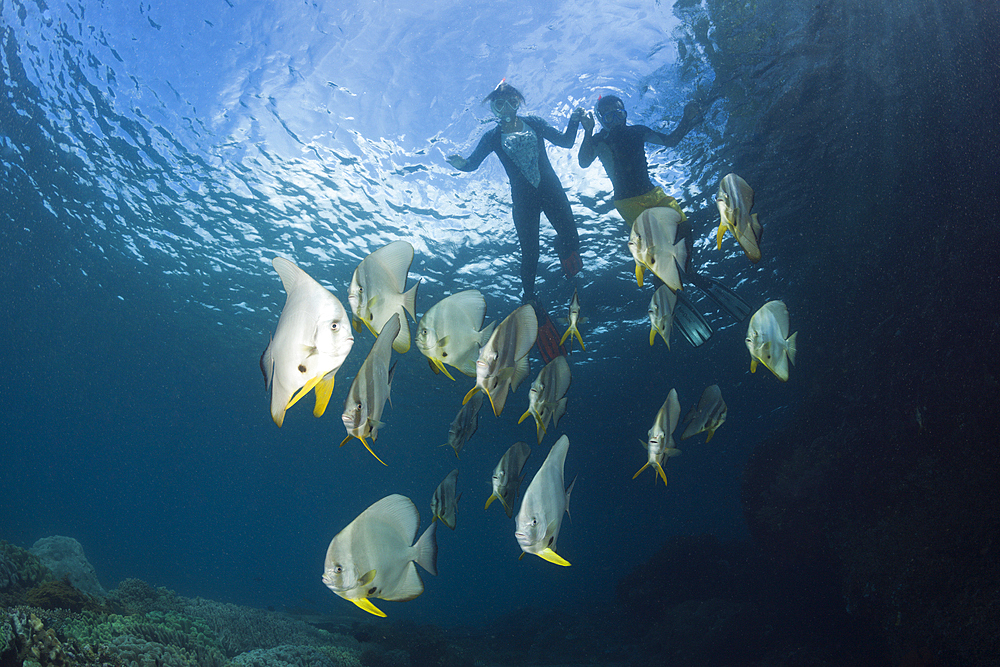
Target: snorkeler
622,150
519,142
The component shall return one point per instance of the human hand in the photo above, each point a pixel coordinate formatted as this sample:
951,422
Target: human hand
587,121
578,114
457,161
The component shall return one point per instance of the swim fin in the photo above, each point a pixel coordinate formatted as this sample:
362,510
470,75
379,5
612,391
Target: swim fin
690,322
548,337
726,298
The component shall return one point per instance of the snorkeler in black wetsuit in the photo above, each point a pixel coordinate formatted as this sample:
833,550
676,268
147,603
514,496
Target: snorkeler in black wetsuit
519,143
622,150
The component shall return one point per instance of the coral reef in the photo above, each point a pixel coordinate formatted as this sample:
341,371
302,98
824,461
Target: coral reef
286,655
65,558
20,570
135,596
60,595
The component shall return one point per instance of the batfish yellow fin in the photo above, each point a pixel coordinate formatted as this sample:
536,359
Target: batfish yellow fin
324,389
472,392
367,605
640,470
565,335
522,555
753,365
356,323
551,556
638,273
440,366
344,441
711,432
524,416
368,577
579,338
306,388
662,474
490,500
652,335
365,443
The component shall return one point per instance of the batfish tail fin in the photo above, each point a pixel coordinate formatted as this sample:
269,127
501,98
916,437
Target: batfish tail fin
427,550
790,347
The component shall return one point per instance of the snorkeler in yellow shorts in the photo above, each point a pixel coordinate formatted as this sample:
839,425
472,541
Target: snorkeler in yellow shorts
622,150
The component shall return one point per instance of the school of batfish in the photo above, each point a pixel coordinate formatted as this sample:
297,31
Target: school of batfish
375,555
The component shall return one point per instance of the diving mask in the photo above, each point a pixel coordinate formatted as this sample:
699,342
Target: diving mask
505,107
612,114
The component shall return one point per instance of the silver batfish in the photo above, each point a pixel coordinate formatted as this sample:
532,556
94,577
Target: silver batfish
507,476
451,332
543,506
661,314
708,415
573,322
376,291
503,360
370,389
444,503
372,556
735,199
465,424
656,243
547,397
661,442
768,339
310,343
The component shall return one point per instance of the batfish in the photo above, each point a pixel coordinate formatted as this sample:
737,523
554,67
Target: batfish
451,332
547,398
657,244
661,314
376,291
735,199
370,389
573,321
708,415
768,339
372,556
507,476
661,442
543,506
465,424
444,503
503,360
310,343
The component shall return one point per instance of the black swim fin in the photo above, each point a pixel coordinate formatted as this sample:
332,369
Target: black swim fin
690,322
726,298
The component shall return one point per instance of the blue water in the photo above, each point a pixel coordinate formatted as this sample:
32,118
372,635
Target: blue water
154,158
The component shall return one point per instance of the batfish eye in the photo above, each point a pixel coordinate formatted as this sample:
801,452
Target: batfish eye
334,326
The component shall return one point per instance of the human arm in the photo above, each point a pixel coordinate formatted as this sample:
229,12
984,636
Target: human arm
563,139
688,120
472,163
588,149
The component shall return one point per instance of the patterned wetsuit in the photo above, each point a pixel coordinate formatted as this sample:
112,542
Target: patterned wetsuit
535,192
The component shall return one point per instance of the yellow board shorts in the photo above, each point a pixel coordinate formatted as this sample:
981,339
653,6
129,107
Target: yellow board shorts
631,208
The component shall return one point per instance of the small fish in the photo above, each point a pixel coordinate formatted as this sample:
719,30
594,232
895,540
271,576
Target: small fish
370,389
507,476
656,244
503,360
768,339
543,506
444,504
661,314
465,424
573,321
376,291
661,442
708,415
451,332
372,556
310,343
735,199
547,398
